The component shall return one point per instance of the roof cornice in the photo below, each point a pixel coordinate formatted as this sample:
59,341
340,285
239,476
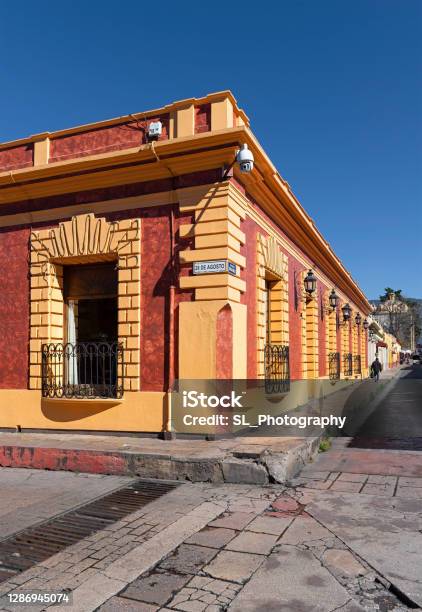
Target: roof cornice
167,109
167,158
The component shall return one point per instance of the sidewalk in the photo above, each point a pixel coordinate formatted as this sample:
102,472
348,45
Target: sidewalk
345,535
249,460
210,548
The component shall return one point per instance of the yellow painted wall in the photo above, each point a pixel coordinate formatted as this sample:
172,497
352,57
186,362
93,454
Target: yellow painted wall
137,411
198,338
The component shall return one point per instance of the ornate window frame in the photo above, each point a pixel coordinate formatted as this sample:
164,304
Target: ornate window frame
85,239
271,260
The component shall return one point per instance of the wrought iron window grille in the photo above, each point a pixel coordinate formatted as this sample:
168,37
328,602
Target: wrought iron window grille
348,364
334,366
277,369
358,364
84,370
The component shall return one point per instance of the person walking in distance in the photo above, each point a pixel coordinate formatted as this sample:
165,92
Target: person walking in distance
376,369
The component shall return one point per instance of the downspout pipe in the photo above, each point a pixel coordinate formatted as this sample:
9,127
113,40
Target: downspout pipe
167,433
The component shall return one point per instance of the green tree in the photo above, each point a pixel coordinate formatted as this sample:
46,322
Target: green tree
389,291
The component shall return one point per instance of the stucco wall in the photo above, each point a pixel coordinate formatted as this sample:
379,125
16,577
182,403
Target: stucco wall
16,157
249,250
14,308
322,331
88,197
250,296
102,140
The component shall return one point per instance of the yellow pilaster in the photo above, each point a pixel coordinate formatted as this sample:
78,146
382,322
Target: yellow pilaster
221,114
41,152
311,355
215,234
272,266
184,120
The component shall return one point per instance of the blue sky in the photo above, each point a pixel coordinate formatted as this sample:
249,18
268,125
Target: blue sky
333,90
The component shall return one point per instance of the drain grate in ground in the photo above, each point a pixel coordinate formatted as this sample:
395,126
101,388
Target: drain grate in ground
23,550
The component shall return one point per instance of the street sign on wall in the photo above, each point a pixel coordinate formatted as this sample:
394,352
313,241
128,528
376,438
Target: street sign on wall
214,266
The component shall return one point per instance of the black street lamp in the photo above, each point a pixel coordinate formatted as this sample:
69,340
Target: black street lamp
310,283
366,325
358,319
347,311
333,300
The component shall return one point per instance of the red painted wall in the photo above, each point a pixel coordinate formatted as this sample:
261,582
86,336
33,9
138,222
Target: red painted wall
224,344
250,297
155,281
338,328
295,321
14,309
202,118
16,157
102,140
322,332
251,229
156,278
111,193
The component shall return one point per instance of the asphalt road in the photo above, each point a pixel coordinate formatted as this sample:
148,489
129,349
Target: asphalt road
396,422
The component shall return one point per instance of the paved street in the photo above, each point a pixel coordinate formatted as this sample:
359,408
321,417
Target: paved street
30,496
397,420
346,534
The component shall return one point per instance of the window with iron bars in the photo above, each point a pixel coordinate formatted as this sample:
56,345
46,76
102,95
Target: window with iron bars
276,355
358,364
334,366
85,370
348,364
277,368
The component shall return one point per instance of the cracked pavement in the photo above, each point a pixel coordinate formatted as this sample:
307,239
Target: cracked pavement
244,548
345,535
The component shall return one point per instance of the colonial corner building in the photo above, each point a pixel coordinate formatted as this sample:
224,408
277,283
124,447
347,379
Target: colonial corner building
135,252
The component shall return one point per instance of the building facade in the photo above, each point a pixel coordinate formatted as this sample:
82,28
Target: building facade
102,228
382,344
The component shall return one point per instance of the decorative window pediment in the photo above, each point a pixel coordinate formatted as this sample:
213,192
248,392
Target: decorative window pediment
80,240
273,258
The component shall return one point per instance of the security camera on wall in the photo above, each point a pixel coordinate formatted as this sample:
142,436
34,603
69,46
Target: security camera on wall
155,129
245,159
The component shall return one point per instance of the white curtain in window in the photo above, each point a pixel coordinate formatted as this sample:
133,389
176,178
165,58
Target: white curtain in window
72,362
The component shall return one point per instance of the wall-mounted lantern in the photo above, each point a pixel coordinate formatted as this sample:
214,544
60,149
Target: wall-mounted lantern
358,319
366,325
347,312
333,300
310,283
331,304
305,289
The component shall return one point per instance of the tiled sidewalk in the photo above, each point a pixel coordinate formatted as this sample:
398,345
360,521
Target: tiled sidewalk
100,566
207,548
371,484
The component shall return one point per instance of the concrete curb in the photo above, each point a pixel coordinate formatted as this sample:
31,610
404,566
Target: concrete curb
265,467
220,461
